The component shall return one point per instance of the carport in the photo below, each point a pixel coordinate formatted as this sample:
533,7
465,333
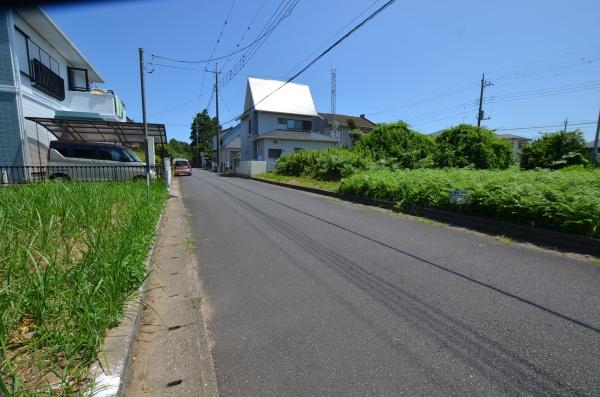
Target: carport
126,133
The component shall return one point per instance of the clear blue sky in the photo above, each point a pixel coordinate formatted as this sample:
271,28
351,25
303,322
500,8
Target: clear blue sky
420,61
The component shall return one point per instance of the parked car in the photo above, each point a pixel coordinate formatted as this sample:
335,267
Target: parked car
85,161
182,167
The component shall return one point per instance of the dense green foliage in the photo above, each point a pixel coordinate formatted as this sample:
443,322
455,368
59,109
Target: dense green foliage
175,149
331,186
71,255
566,200
554,150
330,164
397,145
470,146
201,133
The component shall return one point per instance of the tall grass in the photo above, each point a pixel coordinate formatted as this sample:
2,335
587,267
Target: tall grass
566,200
70,257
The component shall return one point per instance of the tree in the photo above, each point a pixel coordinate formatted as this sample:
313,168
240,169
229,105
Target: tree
396,144
470,146
554,150
201,133
175,149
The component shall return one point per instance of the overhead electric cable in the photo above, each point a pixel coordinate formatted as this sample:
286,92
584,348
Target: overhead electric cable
325,52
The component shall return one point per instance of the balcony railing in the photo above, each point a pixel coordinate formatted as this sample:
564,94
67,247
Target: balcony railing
47,81
104,104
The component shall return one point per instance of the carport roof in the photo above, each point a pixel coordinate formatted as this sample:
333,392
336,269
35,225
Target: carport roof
126,133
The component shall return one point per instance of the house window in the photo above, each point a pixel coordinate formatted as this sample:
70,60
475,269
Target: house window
35,52
39,66
249,126
22,53
281,120
275,153
78,79
293,124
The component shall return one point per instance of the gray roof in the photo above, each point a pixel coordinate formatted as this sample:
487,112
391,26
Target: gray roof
361,122
296,136
513,136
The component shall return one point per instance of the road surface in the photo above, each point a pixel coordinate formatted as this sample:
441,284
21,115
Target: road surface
314,296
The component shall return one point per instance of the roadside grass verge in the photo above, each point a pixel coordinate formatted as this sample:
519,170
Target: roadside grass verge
331,186
71,255
565,200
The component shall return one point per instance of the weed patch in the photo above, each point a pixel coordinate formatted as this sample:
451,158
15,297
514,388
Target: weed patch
71,255
565,200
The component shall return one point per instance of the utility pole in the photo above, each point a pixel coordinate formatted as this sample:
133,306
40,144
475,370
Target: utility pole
217,127
480,112
595,148
566,122
143,85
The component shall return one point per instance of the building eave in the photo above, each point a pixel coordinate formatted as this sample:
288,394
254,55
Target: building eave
48,29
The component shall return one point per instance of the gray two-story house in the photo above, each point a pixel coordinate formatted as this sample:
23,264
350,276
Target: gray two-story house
44,76
279,118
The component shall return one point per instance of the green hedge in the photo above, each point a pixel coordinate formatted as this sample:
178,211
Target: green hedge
566,200
470,146
396,145
331,164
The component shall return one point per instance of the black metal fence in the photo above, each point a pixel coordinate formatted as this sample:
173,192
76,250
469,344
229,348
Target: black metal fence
30,174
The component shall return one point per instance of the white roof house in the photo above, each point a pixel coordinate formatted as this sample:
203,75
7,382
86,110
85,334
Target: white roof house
277,97
279,118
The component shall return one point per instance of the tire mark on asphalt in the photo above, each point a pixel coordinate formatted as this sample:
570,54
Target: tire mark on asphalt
486,356
428,262
431,373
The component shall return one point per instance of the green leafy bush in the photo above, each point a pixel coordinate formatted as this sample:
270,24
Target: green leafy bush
397,144
554,150
469,146
331,164
566,200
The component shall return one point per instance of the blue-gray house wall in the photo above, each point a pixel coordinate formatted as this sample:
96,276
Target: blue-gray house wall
11,143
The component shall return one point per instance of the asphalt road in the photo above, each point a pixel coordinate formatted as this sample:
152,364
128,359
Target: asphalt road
312,296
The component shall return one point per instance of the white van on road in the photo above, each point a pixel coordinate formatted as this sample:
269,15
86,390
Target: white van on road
85,161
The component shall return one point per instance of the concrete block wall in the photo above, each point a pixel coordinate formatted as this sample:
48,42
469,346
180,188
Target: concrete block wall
11,149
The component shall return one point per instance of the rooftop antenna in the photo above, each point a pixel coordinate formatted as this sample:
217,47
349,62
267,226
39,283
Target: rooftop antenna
334,123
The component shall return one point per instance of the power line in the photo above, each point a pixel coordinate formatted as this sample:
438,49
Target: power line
461,87
173,67
266,30
333,36
325,52
246,31
530,94
282,12
177,107
542,126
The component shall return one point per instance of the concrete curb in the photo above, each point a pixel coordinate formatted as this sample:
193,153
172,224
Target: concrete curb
111,370
544,237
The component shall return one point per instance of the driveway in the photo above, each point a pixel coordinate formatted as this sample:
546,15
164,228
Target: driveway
314,296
